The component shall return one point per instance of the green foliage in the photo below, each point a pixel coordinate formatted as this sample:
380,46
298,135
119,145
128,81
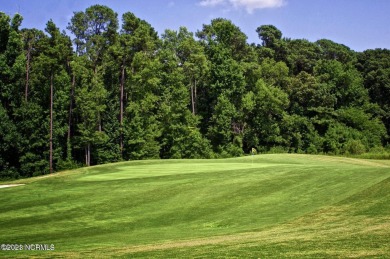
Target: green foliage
306,95
300,135
269,35
302,56
9,138
93,28
142,131
33,127
274,73
374,67
372,129
126,93
277,150
224,33
264,112
341,139
142,128
272,44
220,131
378,152
334,51
89,97
354,147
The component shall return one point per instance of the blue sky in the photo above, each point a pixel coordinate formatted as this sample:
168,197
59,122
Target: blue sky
359,24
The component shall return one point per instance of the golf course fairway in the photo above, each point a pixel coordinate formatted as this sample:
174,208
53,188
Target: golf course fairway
265,206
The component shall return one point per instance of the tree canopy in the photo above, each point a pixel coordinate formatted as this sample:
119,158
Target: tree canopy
116,91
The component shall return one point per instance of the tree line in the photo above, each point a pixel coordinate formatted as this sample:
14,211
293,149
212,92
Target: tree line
119,91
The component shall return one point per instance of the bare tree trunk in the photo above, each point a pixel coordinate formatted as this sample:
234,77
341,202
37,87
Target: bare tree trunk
100,122
195,99
99,115
122,86
51,125
88,154
69,148
27,71
192,99
71,106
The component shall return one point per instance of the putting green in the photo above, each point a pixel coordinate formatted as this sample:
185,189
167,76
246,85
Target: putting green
166,169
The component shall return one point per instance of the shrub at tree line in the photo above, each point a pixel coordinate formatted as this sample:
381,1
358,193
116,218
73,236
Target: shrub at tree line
114,93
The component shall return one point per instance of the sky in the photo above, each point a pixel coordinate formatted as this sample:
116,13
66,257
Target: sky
358,24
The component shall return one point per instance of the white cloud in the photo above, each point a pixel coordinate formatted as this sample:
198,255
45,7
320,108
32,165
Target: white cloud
249,5
211,2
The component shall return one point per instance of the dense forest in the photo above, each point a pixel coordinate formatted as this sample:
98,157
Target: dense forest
117,91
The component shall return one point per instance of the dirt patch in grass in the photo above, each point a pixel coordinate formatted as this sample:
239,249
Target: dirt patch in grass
9,185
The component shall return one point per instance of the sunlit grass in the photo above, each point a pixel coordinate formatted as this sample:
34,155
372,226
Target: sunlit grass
263,206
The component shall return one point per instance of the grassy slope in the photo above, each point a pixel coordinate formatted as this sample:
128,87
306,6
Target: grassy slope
274,205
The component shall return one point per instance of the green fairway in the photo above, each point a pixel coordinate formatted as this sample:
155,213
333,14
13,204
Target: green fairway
252,207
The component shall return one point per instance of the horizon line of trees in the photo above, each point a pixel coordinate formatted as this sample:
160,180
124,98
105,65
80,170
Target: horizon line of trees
112,93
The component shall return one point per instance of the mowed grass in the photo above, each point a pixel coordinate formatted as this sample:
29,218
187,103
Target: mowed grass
251,207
